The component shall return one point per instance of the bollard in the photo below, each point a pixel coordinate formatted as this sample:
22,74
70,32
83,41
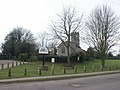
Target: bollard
93,68
16,63
20,62
7,65
109,68
28,61
39,72
64,70
116,67
75,69
85,69
52,69
12,64
23,62
2,67
101,68
9,72
25,72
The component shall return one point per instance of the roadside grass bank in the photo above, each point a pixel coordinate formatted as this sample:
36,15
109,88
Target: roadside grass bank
57,77
33,69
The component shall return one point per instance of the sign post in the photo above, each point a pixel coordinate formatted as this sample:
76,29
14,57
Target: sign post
43,51
53,61
78,58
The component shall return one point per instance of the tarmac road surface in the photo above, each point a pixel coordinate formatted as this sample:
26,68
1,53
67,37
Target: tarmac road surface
105,82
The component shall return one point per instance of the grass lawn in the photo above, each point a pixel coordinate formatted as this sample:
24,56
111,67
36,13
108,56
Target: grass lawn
32,69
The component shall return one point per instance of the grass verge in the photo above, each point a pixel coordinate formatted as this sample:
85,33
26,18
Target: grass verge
32,69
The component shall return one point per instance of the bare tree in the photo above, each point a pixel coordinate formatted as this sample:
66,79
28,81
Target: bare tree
52,46
42,39
102,30
69,21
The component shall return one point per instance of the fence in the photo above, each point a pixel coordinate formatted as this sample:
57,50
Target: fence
24,72
10,64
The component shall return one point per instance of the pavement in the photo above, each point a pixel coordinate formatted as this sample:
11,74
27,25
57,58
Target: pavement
57,77
101,82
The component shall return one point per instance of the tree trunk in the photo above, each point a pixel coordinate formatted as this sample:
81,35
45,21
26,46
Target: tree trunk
103,57
103,62
68,49
68,55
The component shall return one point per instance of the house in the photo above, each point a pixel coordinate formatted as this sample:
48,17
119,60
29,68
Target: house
74,48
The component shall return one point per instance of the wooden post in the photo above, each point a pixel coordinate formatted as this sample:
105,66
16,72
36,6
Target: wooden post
25,72
9,72
109,68
20,62
93,68
23,62
16,63
39,71
101,68
75,69
2,66
52,69
85,69
64,70
12,64
116,67
28,61
7,65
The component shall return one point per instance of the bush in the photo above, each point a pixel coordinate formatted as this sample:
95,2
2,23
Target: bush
59,59
34,58
63,59
23,57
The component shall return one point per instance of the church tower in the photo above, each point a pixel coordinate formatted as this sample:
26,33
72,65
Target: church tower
75,38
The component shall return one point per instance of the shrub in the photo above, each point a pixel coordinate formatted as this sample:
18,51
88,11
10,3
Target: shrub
59,59
34,58
23,57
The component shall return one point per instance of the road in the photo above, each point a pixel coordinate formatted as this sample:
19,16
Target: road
106,82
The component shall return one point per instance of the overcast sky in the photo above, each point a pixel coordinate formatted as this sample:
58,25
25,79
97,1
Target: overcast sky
36,15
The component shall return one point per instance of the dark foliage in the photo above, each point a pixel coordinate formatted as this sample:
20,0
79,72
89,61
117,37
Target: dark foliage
17,42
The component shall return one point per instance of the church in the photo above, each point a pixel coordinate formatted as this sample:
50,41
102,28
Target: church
74,48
